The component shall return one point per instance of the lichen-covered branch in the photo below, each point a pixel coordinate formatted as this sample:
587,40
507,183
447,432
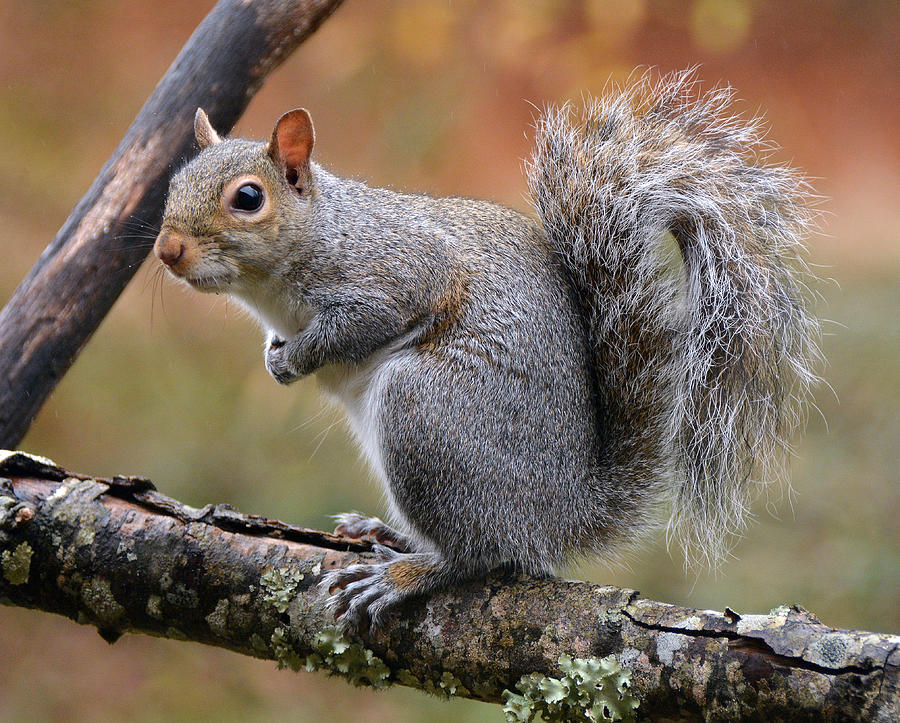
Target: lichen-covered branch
117,554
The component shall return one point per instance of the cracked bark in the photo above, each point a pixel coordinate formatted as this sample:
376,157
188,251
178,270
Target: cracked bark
117,554
75,282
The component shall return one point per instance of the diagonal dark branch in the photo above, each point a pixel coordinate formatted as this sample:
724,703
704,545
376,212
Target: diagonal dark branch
117,554
72,286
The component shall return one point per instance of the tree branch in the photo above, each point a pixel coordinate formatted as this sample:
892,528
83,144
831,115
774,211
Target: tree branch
117,554
72,286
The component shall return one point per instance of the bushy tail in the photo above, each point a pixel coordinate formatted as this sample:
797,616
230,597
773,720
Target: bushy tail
703,362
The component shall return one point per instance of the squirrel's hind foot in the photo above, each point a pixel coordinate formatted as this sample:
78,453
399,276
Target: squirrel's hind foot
361,595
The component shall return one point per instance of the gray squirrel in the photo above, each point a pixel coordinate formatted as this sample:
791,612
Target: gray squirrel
528,390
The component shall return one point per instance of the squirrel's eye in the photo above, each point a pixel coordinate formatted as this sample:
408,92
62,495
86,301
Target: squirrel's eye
248,197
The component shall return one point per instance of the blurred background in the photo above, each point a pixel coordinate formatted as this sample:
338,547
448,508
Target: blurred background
438,96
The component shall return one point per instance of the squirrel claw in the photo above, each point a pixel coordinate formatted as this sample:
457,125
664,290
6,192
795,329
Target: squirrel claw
361,595
371,529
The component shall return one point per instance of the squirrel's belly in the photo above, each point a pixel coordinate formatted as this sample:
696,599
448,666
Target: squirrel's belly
358,389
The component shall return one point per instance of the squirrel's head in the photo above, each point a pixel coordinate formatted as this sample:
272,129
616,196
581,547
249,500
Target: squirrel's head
220,230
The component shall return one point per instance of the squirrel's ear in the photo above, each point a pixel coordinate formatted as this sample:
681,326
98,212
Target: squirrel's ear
203,130
292,143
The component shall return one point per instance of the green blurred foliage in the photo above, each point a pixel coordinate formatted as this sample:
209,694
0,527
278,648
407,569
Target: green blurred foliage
437,96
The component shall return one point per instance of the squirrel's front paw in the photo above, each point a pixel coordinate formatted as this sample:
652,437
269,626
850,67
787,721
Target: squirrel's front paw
278,361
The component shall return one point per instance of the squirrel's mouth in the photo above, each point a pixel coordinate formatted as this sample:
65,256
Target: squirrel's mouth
206,283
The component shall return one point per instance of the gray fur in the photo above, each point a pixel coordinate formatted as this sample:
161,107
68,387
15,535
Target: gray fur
732,343
525,391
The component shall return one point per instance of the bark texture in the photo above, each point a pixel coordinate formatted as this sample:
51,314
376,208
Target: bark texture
117,554
72,286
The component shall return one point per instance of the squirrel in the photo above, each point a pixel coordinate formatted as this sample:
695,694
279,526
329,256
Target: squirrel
528,390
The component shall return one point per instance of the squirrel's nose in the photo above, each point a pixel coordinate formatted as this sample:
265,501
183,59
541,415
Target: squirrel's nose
169,248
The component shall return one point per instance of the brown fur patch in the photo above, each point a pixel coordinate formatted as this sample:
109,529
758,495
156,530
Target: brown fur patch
407,575
448,312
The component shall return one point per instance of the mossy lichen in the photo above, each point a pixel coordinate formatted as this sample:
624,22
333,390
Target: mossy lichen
126,548
613,616
285,654
98,598
590,689
333,651
279,585
218,618
84,537
448,685
17,564
7,504
154,607
335,654
406,677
